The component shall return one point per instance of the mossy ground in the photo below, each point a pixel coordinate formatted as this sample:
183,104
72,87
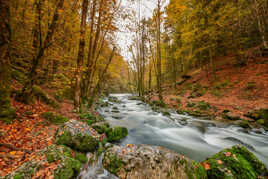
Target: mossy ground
55,119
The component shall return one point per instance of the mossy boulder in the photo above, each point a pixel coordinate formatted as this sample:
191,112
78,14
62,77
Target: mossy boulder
159,103
53,118
230,116
101,127
236,162
260,114
78,136
143,161
116,134
77,142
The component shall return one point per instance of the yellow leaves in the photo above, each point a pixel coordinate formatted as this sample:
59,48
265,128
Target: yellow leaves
129,145
12,153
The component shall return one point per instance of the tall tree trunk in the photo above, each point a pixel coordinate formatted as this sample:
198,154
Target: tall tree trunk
78,76
159,75
6,113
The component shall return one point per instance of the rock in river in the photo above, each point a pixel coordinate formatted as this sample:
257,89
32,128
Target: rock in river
143,161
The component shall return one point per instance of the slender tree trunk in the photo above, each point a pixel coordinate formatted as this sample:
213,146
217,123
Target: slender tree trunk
159,76
6,112
78,76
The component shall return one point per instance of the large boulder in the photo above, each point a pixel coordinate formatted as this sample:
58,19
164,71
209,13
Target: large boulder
78,136
236,162
143,161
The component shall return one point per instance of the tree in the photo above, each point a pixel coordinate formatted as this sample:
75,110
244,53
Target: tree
80,57
5,110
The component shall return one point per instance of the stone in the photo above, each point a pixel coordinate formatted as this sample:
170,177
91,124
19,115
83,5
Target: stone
235,162
78,135
144,161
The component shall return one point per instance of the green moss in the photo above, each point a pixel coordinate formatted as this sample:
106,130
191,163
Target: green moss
165,113
244,124
55,119
41,95
159,104
65,139
18,176
81,157
85,143
190,105
195,170
78,142
7,114
202,105
101,128
236,162
113,164
116,134
70,170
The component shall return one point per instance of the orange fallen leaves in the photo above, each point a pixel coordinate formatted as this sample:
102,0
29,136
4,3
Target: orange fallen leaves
206,165
28,133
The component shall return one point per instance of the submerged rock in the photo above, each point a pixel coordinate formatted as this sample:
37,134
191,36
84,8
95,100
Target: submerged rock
236,162
144,161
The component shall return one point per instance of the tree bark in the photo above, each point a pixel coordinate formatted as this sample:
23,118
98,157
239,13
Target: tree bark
5,111
78,76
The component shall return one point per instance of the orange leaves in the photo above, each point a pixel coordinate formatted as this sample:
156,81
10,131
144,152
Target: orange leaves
206,165
28,133
219,162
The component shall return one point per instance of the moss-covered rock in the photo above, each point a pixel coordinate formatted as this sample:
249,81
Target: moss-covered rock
261,115
77,142
55,119
102,127
159,104
116,134
78,136
81,157
143,161
236,162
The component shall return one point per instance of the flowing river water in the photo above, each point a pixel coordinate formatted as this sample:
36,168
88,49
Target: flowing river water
195,138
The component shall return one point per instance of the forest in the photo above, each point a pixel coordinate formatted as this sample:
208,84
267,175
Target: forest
133,89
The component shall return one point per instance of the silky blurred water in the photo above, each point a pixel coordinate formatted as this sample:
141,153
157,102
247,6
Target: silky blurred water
195,138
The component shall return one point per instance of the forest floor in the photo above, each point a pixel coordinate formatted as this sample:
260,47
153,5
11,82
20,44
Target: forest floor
28,133
238,89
